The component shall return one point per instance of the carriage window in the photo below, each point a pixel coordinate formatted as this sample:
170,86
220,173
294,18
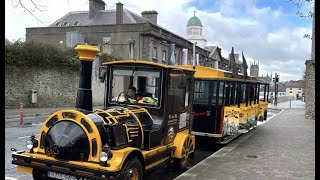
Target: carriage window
257,93
135,85
201,91
214,92
176,93
227,92
232,93
251,93
178,97
221,93
243,91
263,92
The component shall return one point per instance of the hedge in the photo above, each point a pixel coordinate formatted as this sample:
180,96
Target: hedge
40,54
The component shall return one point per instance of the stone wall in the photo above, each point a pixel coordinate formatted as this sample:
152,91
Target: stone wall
56,87
310,89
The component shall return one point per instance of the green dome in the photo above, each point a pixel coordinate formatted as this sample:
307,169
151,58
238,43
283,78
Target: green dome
194,21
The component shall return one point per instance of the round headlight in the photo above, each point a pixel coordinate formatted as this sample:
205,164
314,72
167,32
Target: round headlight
29,144
103,157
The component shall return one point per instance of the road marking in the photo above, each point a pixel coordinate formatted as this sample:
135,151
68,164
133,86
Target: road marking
261,123
10,178
22,137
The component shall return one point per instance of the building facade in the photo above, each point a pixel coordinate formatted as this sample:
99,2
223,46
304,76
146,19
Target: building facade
121,33
254,69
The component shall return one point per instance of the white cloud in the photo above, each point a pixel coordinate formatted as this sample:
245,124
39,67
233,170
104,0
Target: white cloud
264,34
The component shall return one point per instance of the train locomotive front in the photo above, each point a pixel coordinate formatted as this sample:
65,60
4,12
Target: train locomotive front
120,141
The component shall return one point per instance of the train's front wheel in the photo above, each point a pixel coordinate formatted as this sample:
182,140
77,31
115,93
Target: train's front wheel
183,163
133,170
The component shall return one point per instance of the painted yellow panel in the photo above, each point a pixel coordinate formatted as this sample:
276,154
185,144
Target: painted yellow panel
116,162
156,163
179,142
23,169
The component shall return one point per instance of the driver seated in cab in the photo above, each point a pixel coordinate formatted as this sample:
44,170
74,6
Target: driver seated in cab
132,95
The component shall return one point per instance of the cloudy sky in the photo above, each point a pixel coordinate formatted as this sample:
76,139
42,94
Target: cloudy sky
267,31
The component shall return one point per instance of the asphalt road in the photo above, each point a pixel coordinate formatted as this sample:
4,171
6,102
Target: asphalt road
16,136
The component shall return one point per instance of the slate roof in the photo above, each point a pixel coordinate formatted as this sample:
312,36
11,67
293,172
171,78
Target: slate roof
103,17
7,41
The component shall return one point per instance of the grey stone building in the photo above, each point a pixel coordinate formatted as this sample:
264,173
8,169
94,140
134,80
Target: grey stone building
254,69
310,78
121,33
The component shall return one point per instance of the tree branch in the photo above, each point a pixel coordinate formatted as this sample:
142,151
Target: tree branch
36,7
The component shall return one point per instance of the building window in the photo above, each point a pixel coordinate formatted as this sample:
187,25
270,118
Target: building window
155,53
164,56
65,24
57,24
76,23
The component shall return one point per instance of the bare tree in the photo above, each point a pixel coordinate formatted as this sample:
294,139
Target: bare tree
310,14
35,7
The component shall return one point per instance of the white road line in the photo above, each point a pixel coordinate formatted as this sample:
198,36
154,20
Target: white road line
10,178
22,137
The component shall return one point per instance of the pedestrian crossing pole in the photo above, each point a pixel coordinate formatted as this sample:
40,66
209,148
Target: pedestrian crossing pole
21,113
275,91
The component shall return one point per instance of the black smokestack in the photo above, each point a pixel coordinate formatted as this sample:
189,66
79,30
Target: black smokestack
84,94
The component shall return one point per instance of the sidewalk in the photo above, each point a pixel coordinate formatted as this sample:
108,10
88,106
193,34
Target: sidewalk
282,148
287,104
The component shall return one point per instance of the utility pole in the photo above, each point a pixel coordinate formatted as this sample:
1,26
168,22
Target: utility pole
275,91
276,88
276,84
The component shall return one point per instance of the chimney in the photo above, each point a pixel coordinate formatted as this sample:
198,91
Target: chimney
95,6
171,59
87,55
119,13
150,15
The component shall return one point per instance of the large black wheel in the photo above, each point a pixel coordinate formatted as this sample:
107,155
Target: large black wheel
183,163
133,170
186,152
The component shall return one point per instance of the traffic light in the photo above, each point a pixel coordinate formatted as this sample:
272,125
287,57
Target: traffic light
273,79
277,78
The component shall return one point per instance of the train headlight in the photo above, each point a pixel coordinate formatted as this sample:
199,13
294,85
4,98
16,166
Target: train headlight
32,143
104,157
29,144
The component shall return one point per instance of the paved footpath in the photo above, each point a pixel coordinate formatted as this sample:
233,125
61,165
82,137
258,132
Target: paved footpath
281,148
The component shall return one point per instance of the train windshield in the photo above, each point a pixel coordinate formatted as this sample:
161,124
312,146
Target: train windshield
135,85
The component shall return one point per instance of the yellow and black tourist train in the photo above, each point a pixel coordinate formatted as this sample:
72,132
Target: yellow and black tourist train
226,105
151,115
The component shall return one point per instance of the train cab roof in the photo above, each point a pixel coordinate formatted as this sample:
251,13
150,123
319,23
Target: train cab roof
154,64
202,72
